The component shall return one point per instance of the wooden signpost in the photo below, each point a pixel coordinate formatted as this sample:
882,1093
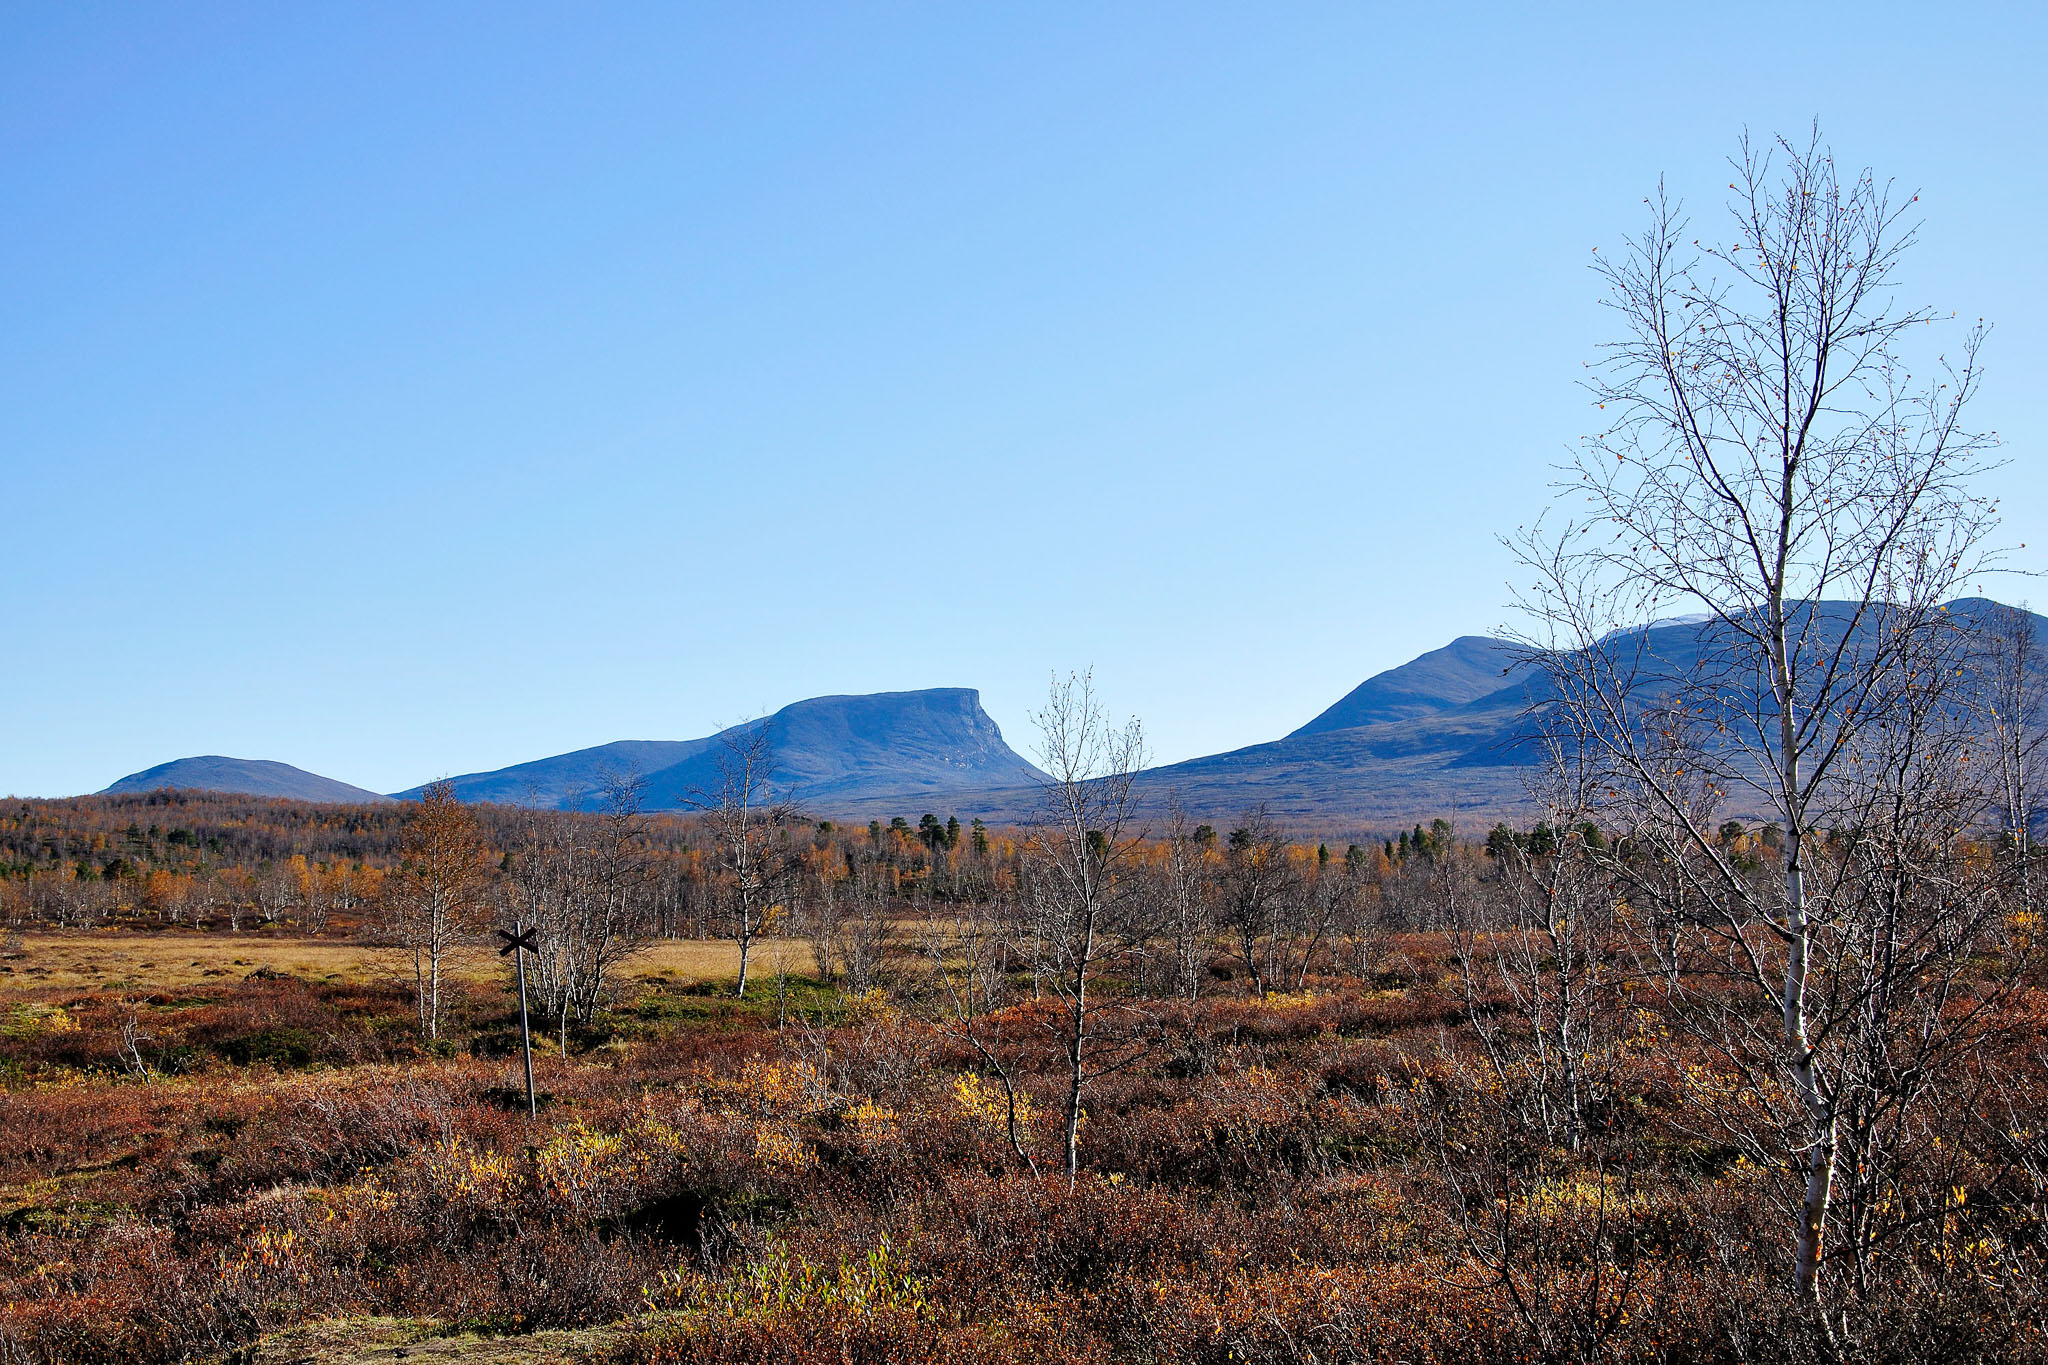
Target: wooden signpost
515,940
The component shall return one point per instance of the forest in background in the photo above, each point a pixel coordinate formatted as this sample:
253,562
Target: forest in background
598,887
202,860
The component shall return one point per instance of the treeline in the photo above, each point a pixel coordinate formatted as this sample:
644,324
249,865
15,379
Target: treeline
216,860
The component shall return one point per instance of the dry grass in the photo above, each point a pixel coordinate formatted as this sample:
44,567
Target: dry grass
127,960
359,1341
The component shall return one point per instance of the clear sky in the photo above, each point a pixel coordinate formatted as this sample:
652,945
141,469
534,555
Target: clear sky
411,389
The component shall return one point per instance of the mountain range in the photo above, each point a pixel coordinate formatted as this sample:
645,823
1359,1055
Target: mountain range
1442,735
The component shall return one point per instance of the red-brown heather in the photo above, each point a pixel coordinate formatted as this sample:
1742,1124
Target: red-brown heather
1417,1099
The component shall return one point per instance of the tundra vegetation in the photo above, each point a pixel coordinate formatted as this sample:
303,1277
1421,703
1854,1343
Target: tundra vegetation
1730,1050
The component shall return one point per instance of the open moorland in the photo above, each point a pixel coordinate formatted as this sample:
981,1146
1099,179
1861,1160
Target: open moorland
1421,1099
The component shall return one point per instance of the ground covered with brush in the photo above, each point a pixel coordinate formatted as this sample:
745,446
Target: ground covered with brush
257,1162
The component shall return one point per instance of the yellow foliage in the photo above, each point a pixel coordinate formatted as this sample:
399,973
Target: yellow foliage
768,1088
459,1169
778,1282
580,1161
872,1006
779,1150
985,1105
30,1020
1585,1194
873,1123
270,1251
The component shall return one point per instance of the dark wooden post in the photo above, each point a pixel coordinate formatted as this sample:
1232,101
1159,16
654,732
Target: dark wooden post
516,940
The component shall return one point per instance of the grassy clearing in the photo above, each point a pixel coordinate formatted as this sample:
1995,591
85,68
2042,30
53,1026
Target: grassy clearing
359,1341
176,959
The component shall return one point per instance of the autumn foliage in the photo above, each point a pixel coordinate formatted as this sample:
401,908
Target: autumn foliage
1353,1168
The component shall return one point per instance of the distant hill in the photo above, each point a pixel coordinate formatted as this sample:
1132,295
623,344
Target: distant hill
829,751
245,777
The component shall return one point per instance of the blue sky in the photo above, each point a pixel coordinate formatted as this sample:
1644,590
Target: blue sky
405,390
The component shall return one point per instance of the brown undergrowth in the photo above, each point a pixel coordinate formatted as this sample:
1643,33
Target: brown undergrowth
1305,1177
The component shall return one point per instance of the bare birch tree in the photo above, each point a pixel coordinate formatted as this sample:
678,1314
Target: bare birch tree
750,820
1539,950
1261,892
615,927
1774,468
1189,910
1083,885
966,953
583,885
547,889
2014,704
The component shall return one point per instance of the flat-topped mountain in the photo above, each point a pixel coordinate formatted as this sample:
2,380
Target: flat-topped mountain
244,777
838,750
1464,761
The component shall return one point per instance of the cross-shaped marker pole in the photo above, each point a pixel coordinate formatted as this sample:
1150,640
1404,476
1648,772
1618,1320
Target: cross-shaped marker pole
515,940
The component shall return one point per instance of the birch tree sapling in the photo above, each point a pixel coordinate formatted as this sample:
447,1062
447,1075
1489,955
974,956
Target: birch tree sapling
616,926
1084,886
1536,968
2014,703
750,821
966,953
1261,888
